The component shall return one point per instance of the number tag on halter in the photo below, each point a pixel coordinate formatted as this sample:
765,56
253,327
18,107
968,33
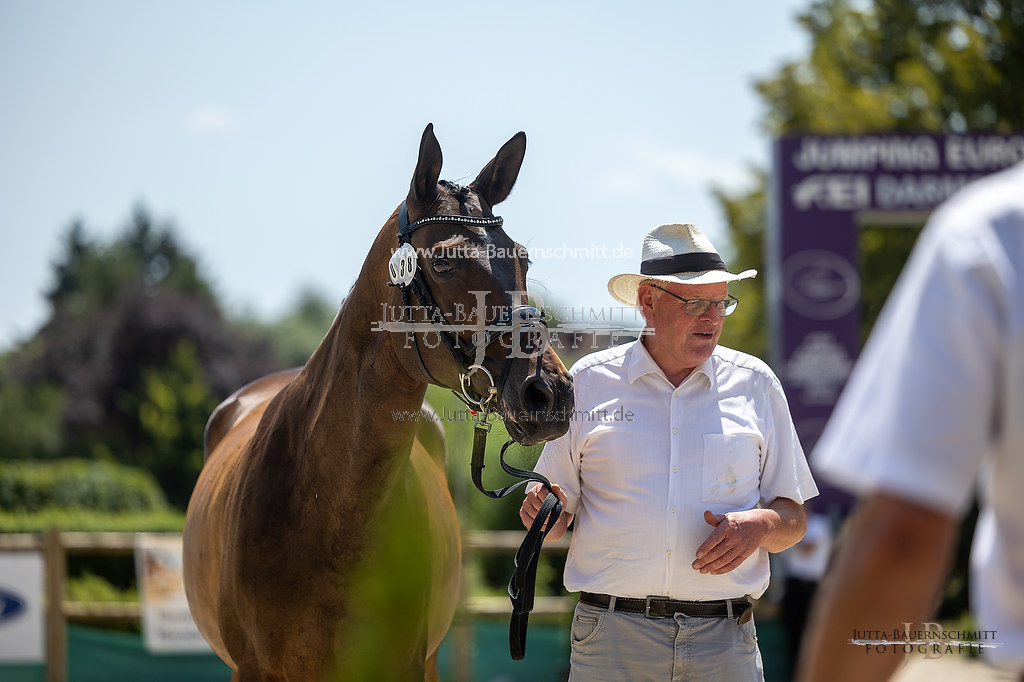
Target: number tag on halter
402,265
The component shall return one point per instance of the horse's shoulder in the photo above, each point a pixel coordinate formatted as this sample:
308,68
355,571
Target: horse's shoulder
253,396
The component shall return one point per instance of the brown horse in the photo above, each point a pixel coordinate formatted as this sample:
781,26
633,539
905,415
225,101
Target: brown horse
321,540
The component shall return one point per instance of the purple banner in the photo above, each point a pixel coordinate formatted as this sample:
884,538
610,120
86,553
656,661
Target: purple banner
824,188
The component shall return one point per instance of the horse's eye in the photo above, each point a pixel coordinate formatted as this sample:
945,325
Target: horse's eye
440,265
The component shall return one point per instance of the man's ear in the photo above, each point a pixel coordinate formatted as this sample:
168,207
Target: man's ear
644,297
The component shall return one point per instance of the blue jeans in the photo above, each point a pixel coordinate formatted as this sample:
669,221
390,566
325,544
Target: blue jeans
613,646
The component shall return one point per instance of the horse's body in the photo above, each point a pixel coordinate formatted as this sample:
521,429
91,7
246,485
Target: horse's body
321,540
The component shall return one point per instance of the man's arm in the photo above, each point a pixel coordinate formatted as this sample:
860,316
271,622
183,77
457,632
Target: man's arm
739,534
888,572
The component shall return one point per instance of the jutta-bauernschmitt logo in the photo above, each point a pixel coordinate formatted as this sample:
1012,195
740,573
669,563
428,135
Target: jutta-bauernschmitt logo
929,640
611,321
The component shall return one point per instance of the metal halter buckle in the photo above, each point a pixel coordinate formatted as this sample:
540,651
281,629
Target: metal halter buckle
492,391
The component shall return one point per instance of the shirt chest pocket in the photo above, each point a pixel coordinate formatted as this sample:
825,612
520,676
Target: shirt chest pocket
732,470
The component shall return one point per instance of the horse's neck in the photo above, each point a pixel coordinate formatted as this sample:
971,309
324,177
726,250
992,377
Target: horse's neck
350,416
366,402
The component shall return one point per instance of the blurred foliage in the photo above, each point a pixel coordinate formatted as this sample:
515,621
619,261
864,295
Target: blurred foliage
172,403
879,66
745,217
91,587
298,332
134,355
940,65
87,520
884,250
31,427
77,484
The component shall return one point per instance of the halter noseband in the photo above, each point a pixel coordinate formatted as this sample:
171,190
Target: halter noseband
522,316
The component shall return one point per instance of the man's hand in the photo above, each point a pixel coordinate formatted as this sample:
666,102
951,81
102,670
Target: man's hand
739,534
531,505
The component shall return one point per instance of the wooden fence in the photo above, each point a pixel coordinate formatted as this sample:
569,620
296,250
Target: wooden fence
58,545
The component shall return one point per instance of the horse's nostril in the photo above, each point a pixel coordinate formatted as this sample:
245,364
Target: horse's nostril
537,395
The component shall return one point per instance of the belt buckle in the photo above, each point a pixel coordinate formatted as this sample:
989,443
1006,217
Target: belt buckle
647,606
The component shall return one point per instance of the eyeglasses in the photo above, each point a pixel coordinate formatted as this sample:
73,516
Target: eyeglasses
698,306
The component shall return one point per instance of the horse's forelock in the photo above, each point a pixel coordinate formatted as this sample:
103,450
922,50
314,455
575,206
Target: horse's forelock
457,191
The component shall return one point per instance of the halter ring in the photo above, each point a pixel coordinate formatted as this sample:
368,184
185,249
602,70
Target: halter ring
467,387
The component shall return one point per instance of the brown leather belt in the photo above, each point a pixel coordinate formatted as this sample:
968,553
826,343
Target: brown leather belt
663,607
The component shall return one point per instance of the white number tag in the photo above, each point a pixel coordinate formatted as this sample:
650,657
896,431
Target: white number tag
402,266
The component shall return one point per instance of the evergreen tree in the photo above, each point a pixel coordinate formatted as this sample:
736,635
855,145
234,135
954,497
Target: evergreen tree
134,356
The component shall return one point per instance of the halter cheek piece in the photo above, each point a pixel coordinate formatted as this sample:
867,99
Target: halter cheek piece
521,586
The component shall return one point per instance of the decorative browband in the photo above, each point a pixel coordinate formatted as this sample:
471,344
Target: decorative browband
683,262
405,227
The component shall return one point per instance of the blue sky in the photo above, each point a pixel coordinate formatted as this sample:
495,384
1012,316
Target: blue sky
279,137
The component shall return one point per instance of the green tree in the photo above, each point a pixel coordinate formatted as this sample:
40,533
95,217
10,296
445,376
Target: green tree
172,403
298,332
31,424
923,65
745,216
134,355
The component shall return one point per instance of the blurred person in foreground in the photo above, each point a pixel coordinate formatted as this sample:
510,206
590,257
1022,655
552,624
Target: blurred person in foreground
933,412
803,566
682,470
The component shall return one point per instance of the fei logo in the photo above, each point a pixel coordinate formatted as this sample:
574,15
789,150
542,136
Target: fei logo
22,630
12,605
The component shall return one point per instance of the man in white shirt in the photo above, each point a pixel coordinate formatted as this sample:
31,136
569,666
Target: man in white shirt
681,470
932,414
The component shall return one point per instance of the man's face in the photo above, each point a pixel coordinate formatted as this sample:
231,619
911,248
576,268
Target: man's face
685,341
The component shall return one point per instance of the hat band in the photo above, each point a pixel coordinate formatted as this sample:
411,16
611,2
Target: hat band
683,262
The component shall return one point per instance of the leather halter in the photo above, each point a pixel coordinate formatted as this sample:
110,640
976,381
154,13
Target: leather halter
522,317
521,586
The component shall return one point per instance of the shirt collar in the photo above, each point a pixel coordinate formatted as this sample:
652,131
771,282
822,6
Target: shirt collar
639,362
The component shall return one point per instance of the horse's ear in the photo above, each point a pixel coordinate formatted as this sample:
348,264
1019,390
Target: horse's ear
495,181
423,189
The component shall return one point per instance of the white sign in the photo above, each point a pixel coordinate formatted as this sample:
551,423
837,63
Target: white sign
22,633
167,626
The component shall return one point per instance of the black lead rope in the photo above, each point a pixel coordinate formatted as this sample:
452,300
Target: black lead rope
522,585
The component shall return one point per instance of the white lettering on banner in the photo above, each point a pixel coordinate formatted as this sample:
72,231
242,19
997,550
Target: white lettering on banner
839,192
983,153
867,153
917,191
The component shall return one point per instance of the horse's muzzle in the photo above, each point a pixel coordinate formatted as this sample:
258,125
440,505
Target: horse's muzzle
545,406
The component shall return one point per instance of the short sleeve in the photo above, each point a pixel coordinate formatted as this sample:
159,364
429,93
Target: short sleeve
559,464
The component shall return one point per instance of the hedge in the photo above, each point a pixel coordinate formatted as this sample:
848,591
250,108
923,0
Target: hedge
77,484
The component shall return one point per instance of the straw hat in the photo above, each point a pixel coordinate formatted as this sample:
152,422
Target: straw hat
678,254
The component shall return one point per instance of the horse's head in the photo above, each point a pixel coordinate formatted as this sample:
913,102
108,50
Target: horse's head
462,281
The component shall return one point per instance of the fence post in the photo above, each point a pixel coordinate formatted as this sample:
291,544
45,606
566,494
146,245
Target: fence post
56,639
